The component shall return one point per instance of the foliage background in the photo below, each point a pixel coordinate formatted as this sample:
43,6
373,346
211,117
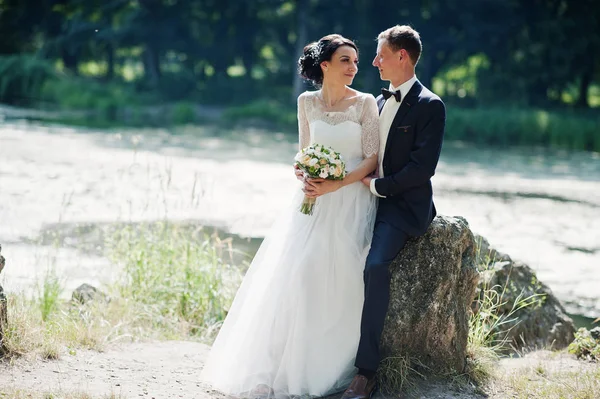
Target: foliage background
486,58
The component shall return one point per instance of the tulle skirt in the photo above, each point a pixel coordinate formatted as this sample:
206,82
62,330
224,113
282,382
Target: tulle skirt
294,326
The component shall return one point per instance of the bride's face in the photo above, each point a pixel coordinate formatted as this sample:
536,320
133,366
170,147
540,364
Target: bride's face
342,67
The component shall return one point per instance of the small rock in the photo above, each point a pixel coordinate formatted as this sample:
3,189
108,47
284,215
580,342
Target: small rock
595,333
85,293
2,260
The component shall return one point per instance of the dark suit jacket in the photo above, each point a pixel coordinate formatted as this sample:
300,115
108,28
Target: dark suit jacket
411,155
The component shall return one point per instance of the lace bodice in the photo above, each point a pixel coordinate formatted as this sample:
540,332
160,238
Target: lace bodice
354,132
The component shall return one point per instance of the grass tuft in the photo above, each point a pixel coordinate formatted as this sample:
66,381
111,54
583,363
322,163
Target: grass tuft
396,374
177,280
585,346
175,284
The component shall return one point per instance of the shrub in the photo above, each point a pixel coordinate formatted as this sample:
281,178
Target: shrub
585,346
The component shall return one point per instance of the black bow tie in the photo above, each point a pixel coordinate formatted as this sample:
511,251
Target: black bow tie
387,94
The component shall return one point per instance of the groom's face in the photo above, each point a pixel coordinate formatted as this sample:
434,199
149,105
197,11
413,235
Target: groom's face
387,61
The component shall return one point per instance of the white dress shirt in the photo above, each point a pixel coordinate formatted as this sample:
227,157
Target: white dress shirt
388,113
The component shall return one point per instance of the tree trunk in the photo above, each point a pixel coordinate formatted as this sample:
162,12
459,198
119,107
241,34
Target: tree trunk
246,40
370,81
584,84
110,59
428,67
152,65
302,12
537,93
70,61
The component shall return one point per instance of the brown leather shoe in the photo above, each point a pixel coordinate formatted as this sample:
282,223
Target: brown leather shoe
361,388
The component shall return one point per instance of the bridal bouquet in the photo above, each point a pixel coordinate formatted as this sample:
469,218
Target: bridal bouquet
319,161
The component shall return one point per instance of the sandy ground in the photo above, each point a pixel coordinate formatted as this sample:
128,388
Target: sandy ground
168,369
171,369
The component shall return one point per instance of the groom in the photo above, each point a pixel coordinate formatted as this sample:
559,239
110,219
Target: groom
411,130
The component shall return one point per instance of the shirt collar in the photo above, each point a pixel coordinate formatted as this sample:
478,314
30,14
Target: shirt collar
404,87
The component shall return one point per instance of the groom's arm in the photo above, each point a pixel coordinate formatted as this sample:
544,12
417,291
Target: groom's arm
423,157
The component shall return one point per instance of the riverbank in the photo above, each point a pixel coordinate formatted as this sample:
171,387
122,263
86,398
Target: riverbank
537,205
503,127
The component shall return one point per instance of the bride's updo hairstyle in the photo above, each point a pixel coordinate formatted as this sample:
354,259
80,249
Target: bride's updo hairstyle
309,64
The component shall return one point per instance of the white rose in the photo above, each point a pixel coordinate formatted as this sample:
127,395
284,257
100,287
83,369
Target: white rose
313,161
324,174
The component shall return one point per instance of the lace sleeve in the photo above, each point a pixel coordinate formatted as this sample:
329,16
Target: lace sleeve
369,121
303,126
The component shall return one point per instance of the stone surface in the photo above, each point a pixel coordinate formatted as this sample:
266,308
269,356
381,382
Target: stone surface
544,323
85,293
433,285
2,260
3,307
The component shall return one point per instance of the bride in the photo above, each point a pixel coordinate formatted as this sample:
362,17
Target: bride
294,326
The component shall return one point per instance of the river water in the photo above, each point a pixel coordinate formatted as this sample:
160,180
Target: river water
539,206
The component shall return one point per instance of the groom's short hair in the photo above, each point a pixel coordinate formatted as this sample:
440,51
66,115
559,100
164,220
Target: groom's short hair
403,37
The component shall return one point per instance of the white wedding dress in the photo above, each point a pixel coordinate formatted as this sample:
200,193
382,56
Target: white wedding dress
294,326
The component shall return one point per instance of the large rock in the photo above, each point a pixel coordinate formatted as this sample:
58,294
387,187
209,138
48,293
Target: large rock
543,323
433,285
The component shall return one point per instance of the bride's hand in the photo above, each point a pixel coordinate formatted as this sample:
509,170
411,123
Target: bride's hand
299,173
317,187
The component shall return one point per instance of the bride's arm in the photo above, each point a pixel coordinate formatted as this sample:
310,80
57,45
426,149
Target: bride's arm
303,131
370,144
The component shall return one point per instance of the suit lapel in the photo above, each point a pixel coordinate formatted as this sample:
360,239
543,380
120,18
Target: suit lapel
380,103
405,107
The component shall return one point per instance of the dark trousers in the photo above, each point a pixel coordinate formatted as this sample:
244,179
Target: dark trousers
387,243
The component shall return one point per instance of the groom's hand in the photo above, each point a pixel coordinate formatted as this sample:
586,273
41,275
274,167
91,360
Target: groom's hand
367,180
